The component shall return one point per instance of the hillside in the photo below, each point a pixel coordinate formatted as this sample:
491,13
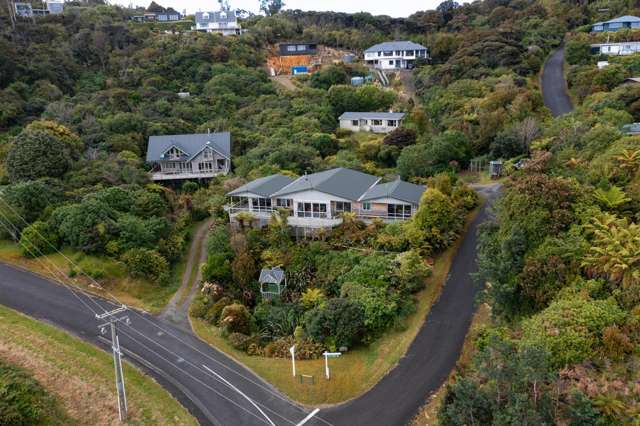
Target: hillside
82,92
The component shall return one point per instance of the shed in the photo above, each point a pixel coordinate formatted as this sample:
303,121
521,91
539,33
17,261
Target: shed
495,169
272,282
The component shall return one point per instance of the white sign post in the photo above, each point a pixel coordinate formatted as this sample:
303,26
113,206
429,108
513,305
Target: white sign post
326,361
292,350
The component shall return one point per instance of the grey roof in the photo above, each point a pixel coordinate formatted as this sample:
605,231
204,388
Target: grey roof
632,80
273,276
633,128
264,186
400,190
222,16
372,115
191,145
395,45
340,182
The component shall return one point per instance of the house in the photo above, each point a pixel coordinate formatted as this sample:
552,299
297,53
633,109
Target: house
623,22
23,10
632,129
55,7
393,55
224,22
621,49
630,81
294,49
272,282
318,200
376,122
197,156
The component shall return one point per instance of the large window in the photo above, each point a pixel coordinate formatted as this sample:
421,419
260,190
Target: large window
221,163
342,206
261,204
283,203
376,122
388,53
399,211
392,123
206,166
316,210
355,122
207,154
291,48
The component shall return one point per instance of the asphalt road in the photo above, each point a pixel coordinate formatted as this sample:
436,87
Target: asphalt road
177,359
554,86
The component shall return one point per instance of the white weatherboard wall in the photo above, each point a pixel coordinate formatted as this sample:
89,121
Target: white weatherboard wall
366,125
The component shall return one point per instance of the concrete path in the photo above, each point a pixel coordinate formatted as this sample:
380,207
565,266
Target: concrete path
554,86
177,310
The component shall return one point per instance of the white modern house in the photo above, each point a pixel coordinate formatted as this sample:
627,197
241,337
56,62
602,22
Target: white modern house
616,49
197,156
616,24
319,200
393,55
224,22
376,122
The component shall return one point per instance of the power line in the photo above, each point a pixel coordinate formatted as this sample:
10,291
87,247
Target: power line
134,312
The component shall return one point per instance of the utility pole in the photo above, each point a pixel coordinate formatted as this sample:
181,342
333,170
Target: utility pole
113,319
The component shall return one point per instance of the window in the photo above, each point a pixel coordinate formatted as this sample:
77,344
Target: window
376,122
392,123
398,52
316,210
409,53
207,154
391,63
379,53
291,48
366,206
355,122
302,47
261,204
399,211
283,203
173,153
388,53
221,163
342,206
206,166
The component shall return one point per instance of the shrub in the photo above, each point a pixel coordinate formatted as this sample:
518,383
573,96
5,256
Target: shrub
436,220
38,239
571,329
239,341
146,263
305,349
36,154
214,311
189,187
235,318
199,307
339,323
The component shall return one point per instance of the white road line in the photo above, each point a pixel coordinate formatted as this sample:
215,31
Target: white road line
240,392
306,419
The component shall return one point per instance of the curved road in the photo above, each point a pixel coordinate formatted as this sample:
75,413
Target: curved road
183,364
554,86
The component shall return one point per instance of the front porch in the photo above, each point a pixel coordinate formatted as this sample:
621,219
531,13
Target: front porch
179,175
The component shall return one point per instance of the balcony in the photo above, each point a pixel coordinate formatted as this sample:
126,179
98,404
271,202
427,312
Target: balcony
186,174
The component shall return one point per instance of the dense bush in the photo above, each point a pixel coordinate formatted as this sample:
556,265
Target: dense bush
38,239
341,322
146,263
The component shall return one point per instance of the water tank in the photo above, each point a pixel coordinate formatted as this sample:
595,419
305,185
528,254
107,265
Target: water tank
357,81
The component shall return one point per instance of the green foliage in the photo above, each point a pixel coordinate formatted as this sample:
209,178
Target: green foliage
340,322
329,76
362,98
38,239
435,223
448,151
571,329
146,263
24,401
235,318
36,154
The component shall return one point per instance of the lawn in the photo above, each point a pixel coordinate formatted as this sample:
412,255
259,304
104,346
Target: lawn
108,272
355,371
81,376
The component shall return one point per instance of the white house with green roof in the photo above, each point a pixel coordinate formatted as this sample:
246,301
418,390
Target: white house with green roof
319,200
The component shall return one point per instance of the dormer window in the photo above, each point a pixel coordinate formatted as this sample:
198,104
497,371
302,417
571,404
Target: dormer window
207,154
173,153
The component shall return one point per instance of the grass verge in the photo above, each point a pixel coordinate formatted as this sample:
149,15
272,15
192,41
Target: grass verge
81,375
355,371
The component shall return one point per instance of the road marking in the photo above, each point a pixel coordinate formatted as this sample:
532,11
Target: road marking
240,392
306,419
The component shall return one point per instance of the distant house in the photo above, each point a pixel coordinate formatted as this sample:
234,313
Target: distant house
621,49
632,129
376,122
55,7
197,156
395,55
224,22
23,10
319,200
616,24
293,49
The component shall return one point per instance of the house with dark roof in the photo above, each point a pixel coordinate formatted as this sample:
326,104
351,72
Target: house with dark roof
196,156
319,200
394,55
223,22
376,122
616,24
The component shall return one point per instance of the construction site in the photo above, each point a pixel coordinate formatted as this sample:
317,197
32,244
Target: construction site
302,58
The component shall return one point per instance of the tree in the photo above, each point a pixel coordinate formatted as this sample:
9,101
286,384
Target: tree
38,239
147,264
236,318
271,7
36,154
400,137
328,77
435,222
340,322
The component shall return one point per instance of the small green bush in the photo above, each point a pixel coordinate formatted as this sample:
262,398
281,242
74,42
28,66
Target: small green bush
38,239
145,263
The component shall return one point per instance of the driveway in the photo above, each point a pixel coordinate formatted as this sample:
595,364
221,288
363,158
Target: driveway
554,86
183,364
